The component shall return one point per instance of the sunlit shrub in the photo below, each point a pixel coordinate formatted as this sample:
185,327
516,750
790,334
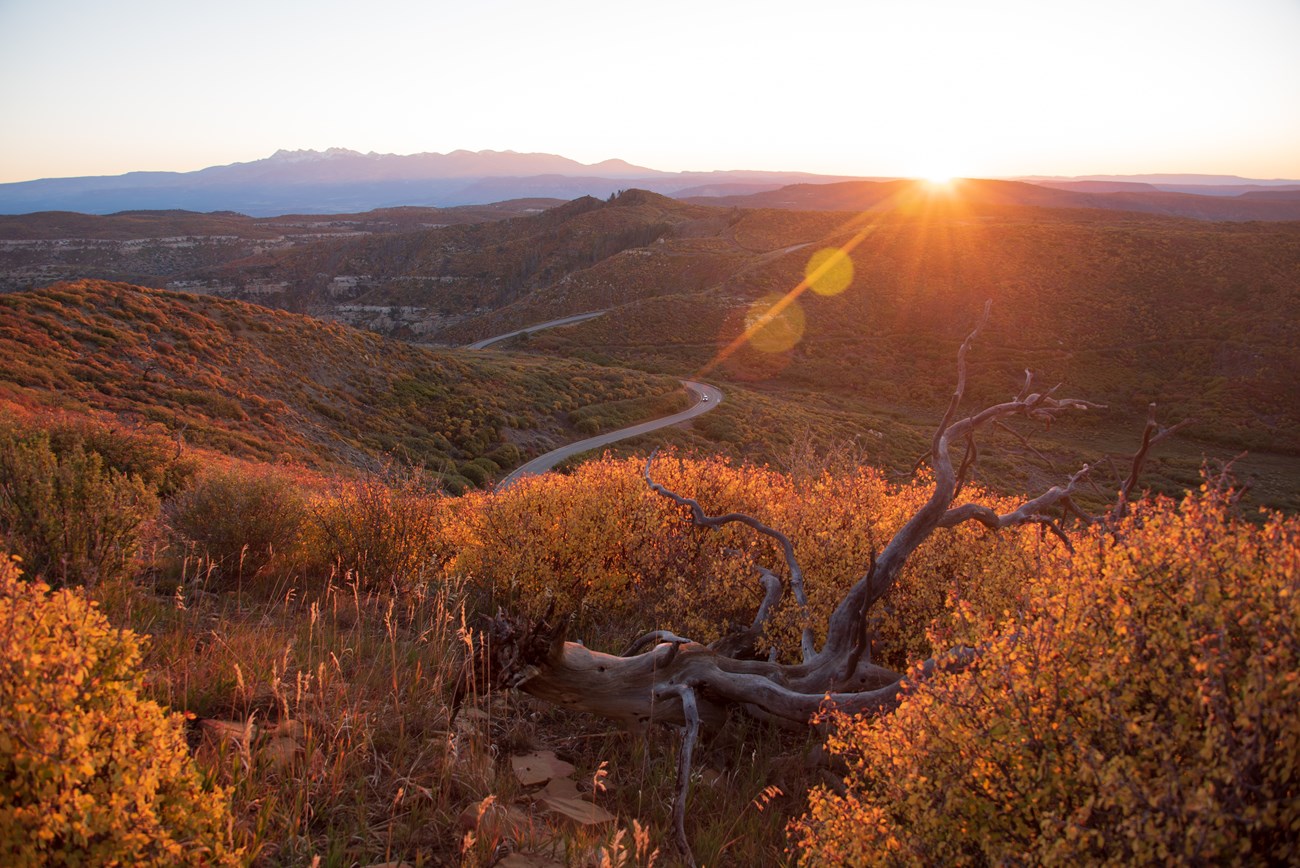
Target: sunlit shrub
149,456
90,772
1143,710
74,519
609,550
385,534
248,523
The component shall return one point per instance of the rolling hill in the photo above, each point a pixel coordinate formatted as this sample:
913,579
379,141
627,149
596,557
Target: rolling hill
416,283
273,386
1121,307
1201,318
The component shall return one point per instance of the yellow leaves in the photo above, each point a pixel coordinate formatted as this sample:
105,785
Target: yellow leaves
97,774
601,545
1127,697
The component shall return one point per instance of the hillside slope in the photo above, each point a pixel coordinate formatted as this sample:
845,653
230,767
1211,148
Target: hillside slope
270,385
414,284
1201,318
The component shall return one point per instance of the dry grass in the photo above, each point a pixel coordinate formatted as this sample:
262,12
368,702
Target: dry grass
330,716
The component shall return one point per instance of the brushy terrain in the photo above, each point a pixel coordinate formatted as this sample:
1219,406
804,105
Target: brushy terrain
1133,700
1122,308
262,384
254,550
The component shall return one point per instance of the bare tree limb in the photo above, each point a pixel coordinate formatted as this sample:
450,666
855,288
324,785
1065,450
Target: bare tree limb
654,637
666,678
690,733
772,586
844,622
967,462
700,519
1024,441
1151,435
1029,511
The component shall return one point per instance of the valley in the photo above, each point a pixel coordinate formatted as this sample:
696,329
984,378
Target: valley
1197,316
310,458
600,435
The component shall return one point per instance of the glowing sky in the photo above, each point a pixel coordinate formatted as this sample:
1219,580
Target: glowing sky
867,87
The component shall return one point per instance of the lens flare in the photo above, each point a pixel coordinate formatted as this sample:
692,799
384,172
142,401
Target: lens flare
829,271
774,323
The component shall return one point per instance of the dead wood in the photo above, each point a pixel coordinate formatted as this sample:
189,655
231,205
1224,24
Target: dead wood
670,679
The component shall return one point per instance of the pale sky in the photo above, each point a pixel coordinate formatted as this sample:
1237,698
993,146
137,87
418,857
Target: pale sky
980,88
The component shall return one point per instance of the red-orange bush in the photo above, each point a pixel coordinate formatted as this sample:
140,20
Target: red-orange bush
247,521
615,553
385,534
1143,710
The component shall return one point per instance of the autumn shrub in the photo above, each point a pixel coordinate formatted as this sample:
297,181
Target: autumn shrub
605,548
385,533
154,459
72,517
587,543
1142,710
839,520
248,523
91,773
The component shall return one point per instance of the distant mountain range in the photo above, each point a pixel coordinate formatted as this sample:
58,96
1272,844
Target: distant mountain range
342,181
1201,185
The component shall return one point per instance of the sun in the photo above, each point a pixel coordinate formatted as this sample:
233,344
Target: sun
937,171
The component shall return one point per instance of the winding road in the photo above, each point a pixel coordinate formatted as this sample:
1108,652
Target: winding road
527,330
706,398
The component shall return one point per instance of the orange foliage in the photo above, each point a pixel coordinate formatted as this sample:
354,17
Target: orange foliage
91,771
615,554
1141,710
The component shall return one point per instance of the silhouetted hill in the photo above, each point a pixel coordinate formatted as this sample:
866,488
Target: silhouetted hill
1100,186
1289,195
976,196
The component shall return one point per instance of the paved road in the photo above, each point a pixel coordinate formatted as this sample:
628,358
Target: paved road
568,320
707,397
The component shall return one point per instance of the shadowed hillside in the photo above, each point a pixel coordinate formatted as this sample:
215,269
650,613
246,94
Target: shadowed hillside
1199,318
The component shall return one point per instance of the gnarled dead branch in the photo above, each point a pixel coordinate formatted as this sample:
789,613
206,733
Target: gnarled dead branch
666,678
